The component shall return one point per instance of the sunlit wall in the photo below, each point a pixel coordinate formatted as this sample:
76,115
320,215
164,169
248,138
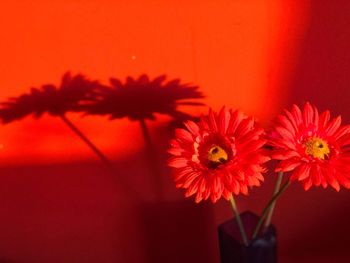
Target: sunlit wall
240,53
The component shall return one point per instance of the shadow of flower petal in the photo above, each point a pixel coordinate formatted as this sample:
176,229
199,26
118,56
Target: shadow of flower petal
51,99
142,98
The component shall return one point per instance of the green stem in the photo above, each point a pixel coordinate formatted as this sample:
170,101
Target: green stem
238,220
266,209
277,188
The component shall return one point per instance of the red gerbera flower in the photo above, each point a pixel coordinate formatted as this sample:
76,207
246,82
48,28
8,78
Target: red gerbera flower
220,155
315,148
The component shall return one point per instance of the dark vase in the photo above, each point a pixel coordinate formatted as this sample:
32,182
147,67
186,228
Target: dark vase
263,249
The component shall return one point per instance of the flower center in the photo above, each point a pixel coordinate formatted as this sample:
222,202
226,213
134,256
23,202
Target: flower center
217,155
317,148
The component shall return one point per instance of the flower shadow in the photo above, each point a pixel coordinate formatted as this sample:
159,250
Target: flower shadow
57,101
142,98
138,99
51,99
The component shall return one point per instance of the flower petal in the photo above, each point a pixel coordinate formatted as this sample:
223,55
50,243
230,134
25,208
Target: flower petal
333,126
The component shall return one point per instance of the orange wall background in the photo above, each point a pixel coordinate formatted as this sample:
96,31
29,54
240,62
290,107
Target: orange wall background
239,52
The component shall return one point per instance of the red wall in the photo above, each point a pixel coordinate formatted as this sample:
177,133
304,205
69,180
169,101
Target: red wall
59,204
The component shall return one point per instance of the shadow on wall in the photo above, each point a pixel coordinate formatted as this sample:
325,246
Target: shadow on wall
178,231
138,99
72,213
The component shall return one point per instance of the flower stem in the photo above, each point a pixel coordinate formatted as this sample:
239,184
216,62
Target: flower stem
152,158
277,188
92,146
238,220
123,184
268,206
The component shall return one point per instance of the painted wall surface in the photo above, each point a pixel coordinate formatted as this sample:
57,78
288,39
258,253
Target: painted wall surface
57,201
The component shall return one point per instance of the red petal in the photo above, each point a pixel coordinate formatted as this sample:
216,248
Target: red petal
175,144
212,121
324,118
252,181
202,185
226,194
190,179
236,118
286,123
343,180
284,154
333,126
228,178
259,176
316,117
175,151
344,140
224,119
180,174
296,112
244,127
308,114
315,175
244,189
198,197
329,175
279,142
183,135
214,198
235,187
285,134
204,123
192,188
288,165
177,162
292,120
206,193
250,147
307,183
342,131
192,127
301,173
254,134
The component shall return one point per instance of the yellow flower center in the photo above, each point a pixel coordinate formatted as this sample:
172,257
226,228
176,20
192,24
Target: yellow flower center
316,147
217,155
